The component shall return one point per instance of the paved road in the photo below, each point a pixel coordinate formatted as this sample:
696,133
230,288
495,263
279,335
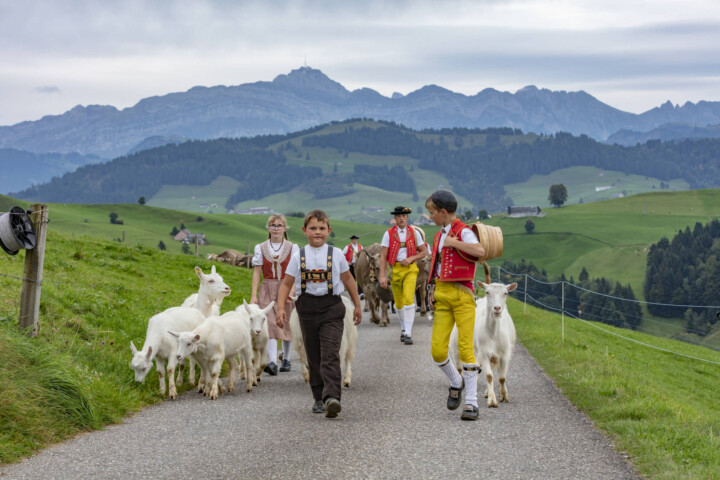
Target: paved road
394,424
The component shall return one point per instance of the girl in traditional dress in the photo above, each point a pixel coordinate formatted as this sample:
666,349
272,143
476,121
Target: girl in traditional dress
269,263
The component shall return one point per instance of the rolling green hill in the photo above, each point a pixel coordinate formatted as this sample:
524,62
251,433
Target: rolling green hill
582,184
358,163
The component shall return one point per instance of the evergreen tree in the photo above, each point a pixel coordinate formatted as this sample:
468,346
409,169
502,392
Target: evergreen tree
162,246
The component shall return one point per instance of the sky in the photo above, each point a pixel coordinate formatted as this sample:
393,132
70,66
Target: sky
631,54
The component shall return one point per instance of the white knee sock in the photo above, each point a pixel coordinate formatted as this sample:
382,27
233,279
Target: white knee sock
286,349
448,368
471,378
401,317
409,312
272,350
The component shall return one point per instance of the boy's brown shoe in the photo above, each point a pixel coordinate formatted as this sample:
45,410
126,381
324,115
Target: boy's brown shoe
453,401
332,407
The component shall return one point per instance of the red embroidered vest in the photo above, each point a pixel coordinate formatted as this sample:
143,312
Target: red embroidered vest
267,269
395,243
453,268
349,254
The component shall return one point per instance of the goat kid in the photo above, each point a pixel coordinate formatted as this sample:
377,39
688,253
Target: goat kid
493,339
211,293
160,346
215,340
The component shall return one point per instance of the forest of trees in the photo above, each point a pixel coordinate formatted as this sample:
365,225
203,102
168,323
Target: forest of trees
477,169
686,271
587,305
480,172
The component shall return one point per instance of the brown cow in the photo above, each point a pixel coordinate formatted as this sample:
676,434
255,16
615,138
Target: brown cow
366,270
232,257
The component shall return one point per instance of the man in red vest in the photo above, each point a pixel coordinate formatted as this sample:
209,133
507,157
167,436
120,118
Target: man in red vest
452,270
351,252
402,246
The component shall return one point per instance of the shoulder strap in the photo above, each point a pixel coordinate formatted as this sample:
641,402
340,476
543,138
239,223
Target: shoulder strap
303,284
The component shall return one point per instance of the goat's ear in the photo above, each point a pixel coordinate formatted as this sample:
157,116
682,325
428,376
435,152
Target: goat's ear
132,348
212,270
199,272
149,352
482,285
196,338
268,308
247,307
512,287
173,334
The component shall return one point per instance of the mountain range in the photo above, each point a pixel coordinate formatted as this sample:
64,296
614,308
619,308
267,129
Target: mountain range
307,97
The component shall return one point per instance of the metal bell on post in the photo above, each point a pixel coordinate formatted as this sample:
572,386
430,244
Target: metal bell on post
16,231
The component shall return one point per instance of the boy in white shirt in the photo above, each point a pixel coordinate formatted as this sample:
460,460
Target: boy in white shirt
318,274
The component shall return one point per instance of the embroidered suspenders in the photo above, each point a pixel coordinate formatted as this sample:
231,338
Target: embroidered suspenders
316,276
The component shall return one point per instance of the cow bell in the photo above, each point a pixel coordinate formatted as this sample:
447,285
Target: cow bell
16,231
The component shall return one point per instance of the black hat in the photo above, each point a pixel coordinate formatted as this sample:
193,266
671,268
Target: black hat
444,199
354,236
401,211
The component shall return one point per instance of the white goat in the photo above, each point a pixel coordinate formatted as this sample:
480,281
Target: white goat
494,338
256,318
215,340
210,295
347,345
160,346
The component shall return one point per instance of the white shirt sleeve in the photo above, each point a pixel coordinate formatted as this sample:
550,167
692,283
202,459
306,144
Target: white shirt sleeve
344,250
257,259
295,250
468,236
293,268
339,259
386,240
418,237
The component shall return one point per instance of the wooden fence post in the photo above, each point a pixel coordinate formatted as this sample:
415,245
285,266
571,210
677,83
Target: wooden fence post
33,273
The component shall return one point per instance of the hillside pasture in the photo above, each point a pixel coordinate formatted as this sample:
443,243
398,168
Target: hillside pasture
581,183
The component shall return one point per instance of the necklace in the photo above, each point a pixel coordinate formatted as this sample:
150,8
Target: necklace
276,250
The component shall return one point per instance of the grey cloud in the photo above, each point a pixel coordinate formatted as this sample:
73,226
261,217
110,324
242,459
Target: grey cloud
47,89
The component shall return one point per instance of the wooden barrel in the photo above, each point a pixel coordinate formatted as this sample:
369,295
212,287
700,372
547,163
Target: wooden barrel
491,239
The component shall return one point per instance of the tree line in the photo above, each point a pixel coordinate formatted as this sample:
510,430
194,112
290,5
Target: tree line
686,271
477,169
480,171
580,303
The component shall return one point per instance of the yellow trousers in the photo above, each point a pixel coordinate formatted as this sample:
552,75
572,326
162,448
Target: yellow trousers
403,283
453,306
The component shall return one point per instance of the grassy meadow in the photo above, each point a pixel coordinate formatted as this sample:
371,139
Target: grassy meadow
658,407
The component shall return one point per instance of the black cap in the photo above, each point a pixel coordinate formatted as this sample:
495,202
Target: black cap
401,211
444,199
354,236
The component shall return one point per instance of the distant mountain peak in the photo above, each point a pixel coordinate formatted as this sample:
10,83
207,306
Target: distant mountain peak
311,79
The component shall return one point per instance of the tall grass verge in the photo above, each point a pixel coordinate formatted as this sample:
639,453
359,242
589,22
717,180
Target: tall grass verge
661,408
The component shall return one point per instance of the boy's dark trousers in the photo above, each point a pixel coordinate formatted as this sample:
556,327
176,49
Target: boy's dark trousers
322,322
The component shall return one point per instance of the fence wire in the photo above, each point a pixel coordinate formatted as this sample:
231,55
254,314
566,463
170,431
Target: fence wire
607,308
